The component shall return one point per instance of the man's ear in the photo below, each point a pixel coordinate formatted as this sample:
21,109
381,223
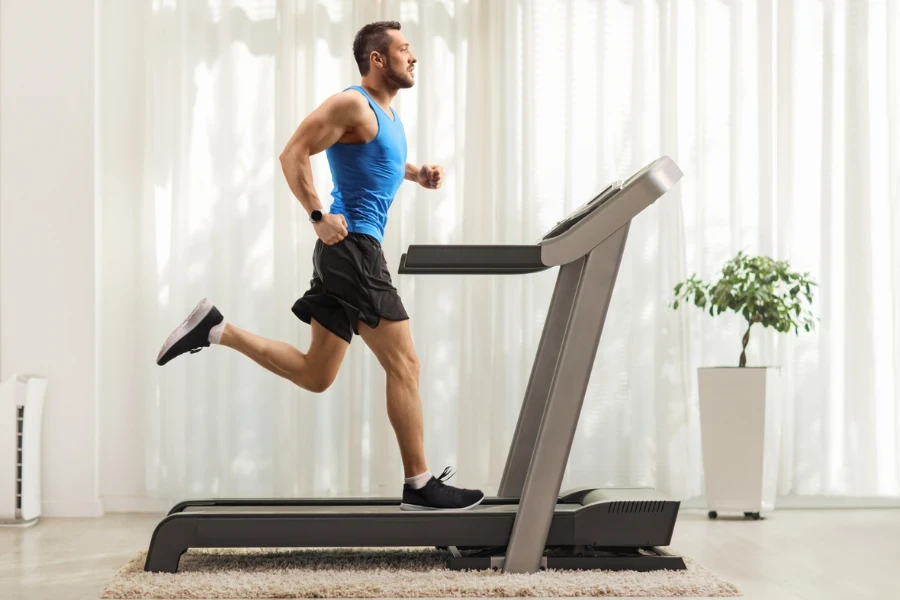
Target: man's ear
377,58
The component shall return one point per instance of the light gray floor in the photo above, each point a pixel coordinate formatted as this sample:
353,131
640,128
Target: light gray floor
808,554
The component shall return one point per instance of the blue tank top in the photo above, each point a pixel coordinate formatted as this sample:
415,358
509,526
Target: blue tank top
367,176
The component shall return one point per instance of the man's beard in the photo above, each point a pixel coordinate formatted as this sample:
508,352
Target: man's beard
396,79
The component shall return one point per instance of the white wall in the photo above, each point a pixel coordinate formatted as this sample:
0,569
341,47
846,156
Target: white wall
47,274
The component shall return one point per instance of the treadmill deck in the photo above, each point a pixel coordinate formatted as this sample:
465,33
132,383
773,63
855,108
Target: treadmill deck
361,510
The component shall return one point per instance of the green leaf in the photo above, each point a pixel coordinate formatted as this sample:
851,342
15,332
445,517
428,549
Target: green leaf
760,289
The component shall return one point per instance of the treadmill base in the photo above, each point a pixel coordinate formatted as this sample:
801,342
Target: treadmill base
576,558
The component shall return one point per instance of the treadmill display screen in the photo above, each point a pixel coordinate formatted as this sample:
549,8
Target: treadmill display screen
603,193
584,209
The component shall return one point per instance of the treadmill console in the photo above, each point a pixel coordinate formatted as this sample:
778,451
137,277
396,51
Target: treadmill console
640,173
584,209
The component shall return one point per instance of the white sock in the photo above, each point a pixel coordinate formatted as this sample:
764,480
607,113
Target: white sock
215,334
418,481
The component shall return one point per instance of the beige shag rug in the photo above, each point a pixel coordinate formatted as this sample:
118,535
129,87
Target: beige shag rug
386,573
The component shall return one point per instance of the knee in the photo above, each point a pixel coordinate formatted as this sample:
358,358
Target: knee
317,383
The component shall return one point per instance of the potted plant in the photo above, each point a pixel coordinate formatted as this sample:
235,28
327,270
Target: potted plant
739,406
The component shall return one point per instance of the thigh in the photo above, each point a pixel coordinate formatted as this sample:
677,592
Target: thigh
391,342
326,351
340,267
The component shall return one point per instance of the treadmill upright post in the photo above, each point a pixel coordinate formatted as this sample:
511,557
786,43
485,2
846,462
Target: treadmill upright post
586,313
532,411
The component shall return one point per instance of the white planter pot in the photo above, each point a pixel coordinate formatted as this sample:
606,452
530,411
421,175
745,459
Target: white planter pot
740,431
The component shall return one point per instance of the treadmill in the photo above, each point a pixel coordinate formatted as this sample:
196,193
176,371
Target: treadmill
530,525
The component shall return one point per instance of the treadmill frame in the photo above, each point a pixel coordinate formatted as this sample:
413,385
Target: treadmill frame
538,453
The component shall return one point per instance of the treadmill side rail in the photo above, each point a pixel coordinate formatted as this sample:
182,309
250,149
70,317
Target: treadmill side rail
238,503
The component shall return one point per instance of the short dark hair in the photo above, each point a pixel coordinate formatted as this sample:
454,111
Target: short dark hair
373,37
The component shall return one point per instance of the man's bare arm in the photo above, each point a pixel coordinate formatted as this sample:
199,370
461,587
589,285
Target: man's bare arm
319,131
411,173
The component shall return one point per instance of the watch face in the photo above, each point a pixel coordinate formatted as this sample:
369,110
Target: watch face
316,215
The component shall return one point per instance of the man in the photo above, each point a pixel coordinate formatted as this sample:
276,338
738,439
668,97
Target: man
351,290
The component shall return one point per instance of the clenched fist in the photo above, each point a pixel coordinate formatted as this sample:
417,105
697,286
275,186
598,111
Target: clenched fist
430,176
331,229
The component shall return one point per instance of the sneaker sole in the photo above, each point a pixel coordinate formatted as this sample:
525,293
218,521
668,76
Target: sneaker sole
197,315
404,506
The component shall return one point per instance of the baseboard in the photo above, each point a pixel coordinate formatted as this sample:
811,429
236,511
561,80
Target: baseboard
815,502
70,508
135,504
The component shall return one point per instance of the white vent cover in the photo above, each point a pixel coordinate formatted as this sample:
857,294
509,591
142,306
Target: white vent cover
21,408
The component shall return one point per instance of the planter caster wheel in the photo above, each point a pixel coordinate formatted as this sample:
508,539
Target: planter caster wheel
712,514
755,516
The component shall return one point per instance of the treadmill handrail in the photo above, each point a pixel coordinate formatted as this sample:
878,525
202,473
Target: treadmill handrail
471,259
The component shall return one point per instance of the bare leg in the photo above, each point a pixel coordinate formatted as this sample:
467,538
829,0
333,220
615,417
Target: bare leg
392,345
314,371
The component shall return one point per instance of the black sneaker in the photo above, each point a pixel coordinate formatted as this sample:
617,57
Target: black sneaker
437,495
193,333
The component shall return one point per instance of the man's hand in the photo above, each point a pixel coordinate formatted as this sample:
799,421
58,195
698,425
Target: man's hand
430,176
331,229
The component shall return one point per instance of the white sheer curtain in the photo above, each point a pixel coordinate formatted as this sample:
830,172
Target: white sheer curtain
784,116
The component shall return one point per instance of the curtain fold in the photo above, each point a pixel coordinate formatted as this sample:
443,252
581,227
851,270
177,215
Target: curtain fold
784,116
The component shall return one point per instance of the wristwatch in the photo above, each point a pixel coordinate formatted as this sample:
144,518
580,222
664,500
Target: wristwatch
315,216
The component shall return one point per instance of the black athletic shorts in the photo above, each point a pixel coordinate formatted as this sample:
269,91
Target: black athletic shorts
350,283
